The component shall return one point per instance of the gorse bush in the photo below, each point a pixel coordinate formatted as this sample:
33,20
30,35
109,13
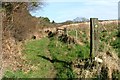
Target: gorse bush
116,45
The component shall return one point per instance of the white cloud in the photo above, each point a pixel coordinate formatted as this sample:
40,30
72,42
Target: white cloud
86,1
102,9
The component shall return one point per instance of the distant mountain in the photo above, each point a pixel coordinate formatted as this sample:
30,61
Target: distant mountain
80,19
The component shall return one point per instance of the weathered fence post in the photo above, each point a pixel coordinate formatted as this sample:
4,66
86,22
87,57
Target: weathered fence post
76,34
65,30
93,37
1,53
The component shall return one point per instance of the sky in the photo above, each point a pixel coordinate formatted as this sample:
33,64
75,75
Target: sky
63,10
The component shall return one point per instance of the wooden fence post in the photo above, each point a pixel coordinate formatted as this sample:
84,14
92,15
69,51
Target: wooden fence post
1,53
65,30
93,37
76,34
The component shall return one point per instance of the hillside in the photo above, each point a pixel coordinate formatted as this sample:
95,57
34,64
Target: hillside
15,31
48,55
35,50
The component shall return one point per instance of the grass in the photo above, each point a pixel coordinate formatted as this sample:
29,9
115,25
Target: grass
38,53
116,76
108,37
116,45
17,74
31,52
72,33
66,53
36,47
52,58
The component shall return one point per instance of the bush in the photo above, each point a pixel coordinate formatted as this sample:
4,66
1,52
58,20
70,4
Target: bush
116,45
63,71
64,54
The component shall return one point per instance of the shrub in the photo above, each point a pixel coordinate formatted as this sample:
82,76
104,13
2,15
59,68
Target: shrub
116,45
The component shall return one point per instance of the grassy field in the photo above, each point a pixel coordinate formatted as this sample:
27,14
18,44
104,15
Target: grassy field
50,58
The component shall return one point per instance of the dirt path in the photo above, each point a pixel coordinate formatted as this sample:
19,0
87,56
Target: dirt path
52,72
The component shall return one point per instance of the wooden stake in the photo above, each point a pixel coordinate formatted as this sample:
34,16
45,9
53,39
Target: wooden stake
76,34
93,37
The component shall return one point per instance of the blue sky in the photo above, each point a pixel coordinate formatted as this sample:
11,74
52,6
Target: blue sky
62,10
